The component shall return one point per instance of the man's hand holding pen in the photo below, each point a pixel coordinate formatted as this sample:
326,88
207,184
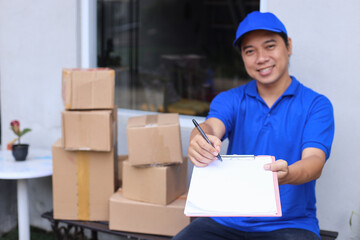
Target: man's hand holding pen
205,142
202,153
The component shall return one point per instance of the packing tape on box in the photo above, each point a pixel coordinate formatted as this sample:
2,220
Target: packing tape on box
151,121
83,184
158,139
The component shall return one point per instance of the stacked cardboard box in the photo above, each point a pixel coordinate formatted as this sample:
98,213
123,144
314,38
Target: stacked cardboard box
85,159
135,216
154,178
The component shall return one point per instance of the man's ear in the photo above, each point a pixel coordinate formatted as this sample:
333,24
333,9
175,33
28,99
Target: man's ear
289,47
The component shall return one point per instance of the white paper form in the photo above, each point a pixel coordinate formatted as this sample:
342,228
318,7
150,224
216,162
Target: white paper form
237,186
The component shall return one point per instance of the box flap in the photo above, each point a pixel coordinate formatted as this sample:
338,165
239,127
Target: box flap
157,120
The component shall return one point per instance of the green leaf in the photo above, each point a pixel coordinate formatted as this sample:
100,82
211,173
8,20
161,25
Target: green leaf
24,131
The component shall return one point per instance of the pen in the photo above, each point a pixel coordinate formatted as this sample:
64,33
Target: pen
204,136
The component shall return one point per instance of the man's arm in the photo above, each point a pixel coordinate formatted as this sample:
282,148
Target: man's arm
200,152
307,169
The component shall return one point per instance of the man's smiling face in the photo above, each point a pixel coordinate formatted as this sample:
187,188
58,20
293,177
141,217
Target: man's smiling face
266,57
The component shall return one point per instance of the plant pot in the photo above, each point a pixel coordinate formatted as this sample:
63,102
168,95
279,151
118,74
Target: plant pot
20,151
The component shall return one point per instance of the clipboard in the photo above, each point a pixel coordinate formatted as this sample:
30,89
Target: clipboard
237,186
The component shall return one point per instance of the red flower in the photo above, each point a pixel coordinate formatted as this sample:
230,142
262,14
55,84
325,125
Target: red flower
15,125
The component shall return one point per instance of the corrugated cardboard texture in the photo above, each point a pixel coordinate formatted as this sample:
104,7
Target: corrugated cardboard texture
154,139
134,216
88,88
88,130
159,185
82,183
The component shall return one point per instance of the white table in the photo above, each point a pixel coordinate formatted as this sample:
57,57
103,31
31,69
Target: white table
38,164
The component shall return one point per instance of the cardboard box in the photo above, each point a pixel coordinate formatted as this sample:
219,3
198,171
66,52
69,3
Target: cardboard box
121,159
88,88
83,182
154,139
89,130
159,185
134,216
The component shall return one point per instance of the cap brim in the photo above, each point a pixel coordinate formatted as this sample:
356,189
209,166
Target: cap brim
255,29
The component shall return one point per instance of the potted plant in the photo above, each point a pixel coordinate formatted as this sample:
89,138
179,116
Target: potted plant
19,150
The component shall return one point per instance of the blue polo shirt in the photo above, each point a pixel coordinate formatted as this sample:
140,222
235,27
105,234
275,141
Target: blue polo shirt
299,119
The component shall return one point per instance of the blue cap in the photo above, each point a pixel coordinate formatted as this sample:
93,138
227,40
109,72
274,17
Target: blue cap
259,21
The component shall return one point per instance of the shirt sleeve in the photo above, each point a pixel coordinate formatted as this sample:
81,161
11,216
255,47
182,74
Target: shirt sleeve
320,127
223,108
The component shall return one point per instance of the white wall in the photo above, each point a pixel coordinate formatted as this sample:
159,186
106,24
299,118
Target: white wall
37,39
326,50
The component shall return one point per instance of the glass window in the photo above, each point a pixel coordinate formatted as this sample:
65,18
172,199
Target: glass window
171,55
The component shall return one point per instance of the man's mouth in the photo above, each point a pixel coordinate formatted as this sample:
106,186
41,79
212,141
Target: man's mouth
265,70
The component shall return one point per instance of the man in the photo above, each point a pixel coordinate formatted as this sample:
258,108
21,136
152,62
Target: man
272,115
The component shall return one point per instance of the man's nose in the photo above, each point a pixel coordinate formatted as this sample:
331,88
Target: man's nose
262,57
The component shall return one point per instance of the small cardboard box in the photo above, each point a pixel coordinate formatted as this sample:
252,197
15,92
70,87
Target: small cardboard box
89,130
154,139
133,216
88,88
158,185
83,182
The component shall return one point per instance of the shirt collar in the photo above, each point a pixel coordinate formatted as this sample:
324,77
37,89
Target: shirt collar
251,89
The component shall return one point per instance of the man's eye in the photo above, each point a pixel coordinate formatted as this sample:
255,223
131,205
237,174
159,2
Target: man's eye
248,52
271,46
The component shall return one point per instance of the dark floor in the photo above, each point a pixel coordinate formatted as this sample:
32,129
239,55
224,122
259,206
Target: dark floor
36,234
39,234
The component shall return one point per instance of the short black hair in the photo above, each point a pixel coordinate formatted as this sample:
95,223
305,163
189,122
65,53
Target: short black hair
282,35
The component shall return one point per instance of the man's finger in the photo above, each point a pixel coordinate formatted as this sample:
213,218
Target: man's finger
206,147
279,165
